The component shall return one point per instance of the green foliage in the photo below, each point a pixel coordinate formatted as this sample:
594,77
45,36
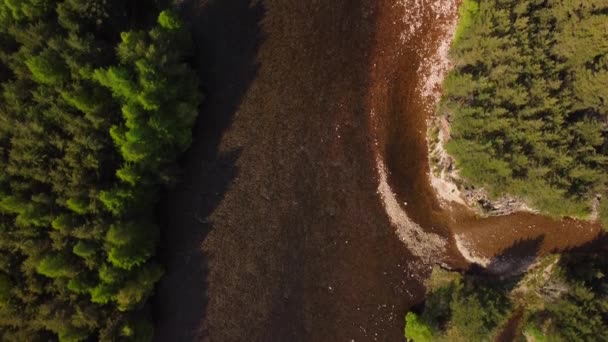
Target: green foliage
573,303
13,204
129,174
64,222
416,330
603,211
526,100
77,205
17,10
84,249
476,313
72,334
580,312
135,291
118,79
48,68
138,330
5,290
130,244
110,274
458,309
467,12
55,266
122,199
441,278
80,285
83,99
159,100
93,116
102,293
169,20
534,332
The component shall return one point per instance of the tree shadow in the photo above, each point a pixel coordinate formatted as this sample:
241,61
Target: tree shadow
598,244
509,332
583,262
512,262
226,35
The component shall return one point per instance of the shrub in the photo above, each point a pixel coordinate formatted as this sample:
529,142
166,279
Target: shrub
416,330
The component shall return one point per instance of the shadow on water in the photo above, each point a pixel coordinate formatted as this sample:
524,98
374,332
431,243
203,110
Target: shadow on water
505,272
226,36
512,262
579,260
597,245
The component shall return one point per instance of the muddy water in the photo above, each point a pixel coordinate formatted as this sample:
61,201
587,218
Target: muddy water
408,34
405,90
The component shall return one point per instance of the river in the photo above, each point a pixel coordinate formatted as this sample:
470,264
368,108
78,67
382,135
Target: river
305,211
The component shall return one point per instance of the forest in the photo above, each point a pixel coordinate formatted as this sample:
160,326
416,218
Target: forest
527,102
560,299
97,102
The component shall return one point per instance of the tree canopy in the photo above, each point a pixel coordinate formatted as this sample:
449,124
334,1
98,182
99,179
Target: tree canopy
527,101
97,102
458,309
559,299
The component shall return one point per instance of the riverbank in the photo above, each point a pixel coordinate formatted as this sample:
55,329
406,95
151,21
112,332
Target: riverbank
541,163
444,176
403,118
505,235
449,185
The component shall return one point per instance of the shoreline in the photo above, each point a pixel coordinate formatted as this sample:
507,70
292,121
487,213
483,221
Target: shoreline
449,187
440,204
426,244
443,176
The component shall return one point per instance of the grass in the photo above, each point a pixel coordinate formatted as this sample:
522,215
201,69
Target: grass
526,293
467,12
604,211
433,134
535,333
440,278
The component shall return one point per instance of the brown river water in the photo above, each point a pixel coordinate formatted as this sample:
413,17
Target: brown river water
305,211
